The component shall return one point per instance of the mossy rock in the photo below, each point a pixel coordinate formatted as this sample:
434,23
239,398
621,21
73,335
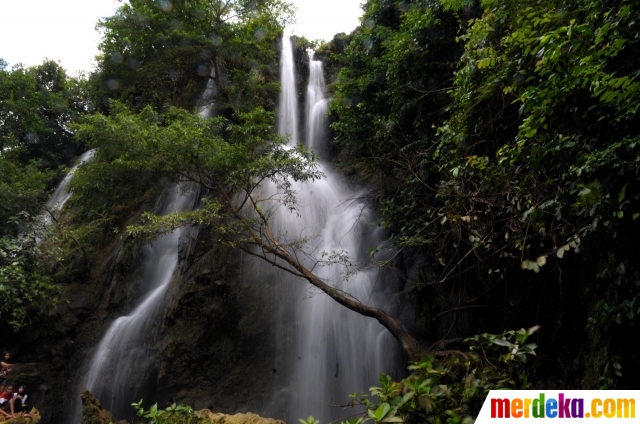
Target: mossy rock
34,418
92,411
249,418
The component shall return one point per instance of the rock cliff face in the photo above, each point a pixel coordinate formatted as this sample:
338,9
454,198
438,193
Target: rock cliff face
216,345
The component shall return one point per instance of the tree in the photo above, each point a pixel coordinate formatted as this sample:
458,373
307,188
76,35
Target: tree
37,105
24,283
152,52
160,54
232,161
164,53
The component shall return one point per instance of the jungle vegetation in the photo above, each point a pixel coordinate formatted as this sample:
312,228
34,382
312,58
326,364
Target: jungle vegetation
499,139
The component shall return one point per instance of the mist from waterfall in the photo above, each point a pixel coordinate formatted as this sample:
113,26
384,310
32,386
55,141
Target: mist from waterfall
326,351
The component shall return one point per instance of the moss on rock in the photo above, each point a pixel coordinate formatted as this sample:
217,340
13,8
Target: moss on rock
248,418
34,418
92,411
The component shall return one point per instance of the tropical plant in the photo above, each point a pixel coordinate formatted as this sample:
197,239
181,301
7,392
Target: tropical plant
174,414
449,387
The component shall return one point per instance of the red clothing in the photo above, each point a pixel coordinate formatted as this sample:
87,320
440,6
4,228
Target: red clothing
6,395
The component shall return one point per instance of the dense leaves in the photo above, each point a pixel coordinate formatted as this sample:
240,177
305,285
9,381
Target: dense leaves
24,283
155,56
164,53
36,106
503,140
449,387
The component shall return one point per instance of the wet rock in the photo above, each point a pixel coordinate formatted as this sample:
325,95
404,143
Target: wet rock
215,336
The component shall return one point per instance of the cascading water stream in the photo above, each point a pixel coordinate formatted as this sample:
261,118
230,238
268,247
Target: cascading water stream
288,101
61,194
119,371
116,375
316,107
327,351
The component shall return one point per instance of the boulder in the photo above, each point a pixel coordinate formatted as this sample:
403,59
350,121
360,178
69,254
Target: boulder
92,411
248,418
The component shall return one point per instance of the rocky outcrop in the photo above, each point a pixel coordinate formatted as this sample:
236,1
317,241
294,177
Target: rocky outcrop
93,412
32,419
211,418
217,340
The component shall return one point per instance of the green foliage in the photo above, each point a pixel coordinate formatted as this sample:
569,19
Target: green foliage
175,414
395,73
160,54
563,139
451,387
21,192
24,283
515,50
157,57
515,149
36,106
214,153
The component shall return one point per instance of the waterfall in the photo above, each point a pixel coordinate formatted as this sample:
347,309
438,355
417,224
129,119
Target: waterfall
61,194
316,107
207,100
120,370
118,373
288,101
326,351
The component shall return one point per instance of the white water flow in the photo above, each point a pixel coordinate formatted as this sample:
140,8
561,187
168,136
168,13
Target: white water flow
325,350
121,369
207,109
61,194
288,101
316,108
118,373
